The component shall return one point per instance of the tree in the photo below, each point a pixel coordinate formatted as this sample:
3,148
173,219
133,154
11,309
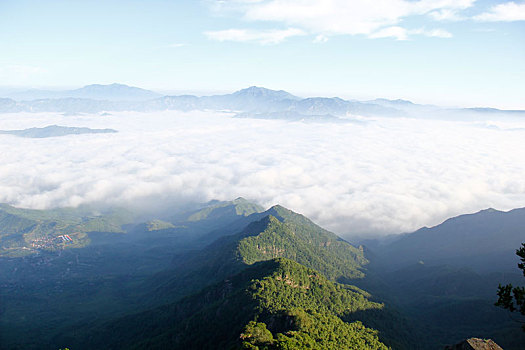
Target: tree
513,298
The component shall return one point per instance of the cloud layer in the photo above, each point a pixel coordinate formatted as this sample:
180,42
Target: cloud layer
385,176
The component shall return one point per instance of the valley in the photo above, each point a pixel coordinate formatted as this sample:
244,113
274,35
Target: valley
226,256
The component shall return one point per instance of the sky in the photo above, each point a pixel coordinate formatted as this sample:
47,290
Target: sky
446,52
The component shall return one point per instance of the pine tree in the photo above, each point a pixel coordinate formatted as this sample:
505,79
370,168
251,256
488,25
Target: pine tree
510,297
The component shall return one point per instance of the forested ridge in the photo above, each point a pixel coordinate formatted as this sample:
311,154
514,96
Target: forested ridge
275,304
231,275
291,236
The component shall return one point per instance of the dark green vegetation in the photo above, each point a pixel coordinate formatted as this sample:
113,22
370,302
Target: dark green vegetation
513,298
277,232
231,275
276,304
124,268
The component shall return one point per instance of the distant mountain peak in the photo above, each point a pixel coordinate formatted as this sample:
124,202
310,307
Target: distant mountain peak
112,84
284,212
258,92
255,90
489,210
110,87
278,207
396,101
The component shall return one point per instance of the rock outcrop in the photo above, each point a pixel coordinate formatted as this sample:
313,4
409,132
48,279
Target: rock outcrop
475,344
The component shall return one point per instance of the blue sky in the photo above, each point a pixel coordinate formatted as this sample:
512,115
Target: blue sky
461,52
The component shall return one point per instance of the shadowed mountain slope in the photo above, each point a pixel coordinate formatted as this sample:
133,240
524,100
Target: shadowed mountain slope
484,241
445,278
277,232
274,304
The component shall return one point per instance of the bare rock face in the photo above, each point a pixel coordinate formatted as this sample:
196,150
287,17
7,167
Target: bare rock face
475,344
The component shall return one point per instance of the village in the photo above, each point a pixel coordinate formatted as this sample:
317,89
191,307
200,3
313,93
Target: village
51,242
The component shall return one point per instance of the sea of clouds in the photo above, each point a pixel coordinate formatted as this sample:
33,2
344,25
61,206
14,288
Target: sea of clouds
387,175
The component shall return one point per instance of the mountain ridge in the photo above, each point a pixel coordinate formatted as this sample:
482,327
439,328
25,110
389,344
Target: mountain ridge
277,232
469,239
55,131
232,313
112,92
253,100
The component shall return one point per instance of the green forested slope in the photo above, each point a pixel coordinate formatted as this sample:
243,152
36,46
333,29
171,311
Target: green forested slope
24,231
221,210
216,218
276,304
87,300
287,234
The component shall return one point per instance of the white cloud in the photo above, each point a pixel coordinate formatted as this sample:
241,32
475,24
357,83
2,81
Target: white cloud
379,18
439,33
387,176
400,33
446,15
391,32
506,12
262,37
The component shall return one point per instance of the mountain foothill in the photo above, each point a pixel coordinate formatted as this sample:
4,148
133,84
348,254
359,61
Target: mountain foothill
234,275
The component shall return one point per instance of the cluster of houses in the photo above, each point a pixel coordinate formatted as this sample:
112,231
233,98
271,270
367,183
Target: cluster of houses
50,242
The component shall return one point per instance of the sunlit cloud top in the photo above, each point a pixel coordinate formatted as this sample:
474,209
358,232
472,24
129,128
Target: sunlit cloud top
389,175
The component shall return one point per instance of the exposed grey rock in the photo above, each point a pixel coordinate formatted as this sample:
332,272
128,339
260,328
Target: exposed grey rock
475,344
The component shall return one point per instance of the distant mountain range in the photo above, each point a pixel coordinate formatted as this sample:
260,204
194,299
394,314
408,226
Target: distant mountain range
55,131
113,92
254,102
